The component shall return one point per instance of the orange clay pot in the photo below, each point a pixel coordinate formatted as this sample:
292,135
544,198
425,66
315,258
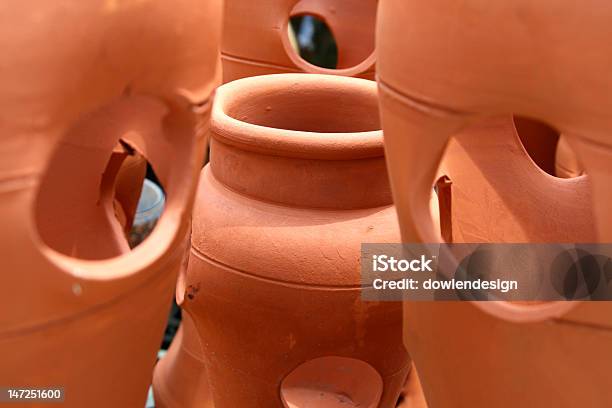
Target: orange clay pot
81,312
256,37
255,45
296,182
547,354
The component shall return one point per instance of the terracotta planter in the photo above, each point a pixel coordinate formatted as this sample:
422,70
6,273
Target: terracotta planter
549,354
256,42
81,312
296,182
256,39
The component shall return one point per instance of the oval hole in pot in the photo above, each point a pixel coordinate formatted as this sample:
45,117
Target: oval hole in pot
95,214
337,34
313,40
330,382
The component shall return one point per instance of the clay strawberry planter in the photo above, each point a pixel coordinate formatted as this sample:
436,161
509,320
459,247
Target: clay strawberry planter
81,311
548,354
256,40
252,47
296,182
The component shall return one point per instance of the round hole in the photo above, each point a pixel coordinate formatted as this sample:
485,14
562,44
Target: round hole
88,199
314,41
332,382
334,36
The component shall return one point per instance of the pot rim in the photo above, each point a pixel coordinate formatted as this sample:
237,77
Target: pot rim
294,143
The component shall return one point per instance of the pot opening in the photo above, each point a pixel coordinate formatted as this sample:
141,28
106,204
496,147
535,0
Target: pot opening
90,214
332,382
308,106
332,34
312,39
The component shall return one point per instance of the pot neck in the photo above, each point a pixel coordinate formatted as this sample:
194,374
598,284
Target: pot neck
301,140
328,183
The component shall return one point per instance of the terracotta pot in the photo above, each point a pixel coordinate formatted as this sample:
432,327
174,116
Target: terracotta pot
256,37
296,182
567,164
81,311
519,355
254,45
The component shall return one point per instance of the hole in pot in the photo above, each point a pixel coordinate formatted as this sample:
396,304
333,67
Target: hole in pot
307,106
540,142
332,382
313,40
85,212
336,34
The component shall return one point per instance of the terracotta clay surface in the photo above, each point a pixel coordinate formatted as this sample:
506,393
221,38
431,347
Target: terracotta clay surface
412,395
128,185
296,182
332,382
256,39
491,177
501,354
179,379
80,310
567,164
540,142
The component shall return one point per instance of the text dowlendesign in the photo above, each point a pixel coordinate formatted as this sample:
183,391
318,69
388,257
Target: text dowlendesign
385,263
